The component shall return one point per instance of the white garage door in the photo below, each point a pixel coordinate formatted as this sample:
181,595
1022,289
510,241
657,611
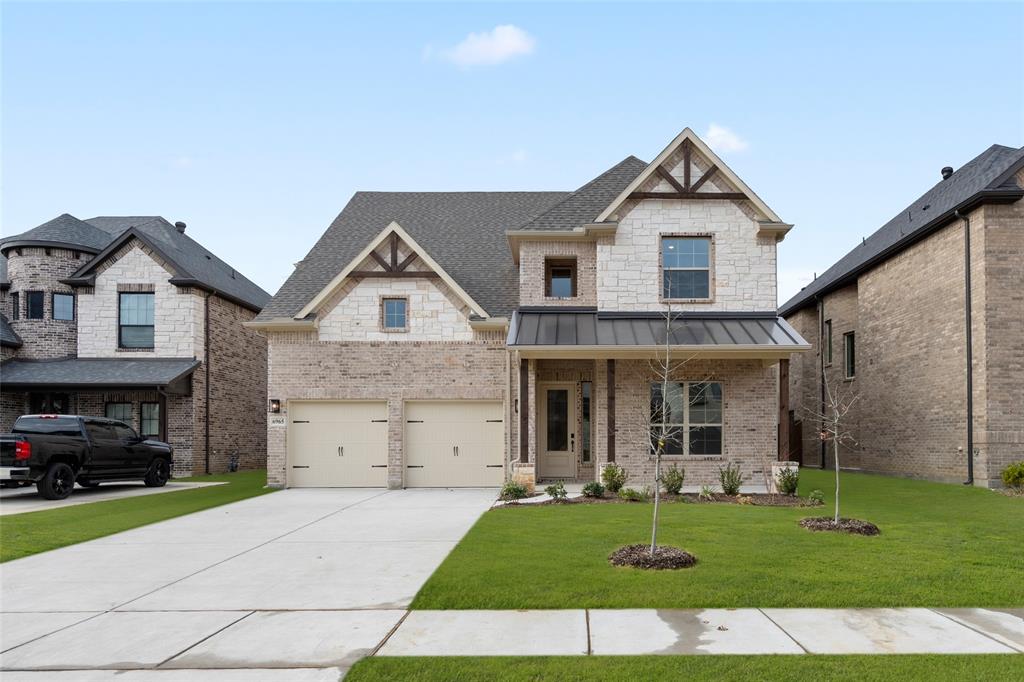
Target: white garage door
337,444
452,444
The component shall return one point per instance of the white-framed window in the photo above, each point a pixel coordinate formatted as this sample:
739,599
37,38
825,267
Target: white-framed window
63,306
850,354
136,314
692,417
394,314
686,268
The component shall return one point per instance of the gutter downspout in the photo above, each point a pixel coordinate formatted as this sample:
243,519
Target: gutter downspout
970,346
821,372
206,362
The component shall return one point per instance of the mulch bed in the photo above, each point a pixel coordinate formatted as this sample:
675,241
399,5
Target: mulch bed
639,556
755,499
827,523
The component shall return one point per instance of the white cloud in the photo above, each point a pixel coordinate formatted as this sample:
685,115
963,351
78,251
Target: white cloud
499,45
723,140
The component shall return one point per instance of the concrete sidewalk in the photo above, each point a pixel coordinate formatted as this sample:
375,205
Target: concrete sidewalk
580,632
24,500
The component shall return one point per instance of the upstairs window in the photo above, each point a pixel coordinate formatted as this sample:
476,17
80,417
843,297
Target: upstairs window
394,314
34,305
850,353
559,278
686,268
63,306
135,320
15,306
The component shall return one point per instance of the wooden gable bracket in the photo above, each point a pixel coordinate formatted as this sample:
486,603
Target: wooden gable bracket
685,190
393,268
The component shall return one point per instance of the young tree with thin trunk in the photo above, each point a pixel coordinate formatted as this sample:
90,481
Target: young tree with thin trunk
834,417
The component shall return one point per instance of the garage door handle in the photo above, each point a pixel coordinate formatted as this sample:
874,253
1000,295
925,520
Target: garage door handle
495,421
298,466
341,451
378,421
495,466
455,450
378,466
414,466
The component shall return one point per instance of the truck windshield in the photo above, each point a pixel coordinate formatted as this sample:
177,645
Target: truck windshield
49,425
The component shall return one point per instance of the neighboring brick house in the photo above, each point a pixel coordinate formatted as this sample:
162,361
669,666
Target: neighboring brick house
130,318
454,338
893,315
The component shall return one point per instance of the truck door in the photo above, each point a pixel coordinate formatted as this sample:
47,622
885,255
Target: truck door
105,453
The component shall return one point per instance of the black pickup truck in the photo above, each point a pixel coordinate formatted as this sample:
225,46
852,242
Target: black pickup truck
56,451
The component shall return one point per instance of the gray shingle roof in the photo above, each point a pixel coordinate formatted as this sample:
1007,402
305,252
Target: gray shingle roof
8,337
585,204
191,257
463,231
113,372
591,328
990,171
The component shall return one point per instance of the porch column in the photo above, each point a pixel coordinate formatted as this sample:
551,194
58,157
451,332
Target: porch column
784,410
610,392
524,410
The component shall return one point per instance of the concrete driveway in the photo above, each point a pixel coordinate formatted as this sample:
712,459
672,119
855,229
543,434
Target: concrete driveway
26,499
291,586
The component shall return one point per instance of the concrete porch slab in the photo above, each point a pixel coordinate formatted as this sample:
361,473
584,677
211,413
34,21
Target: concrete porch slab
881,631
1003,625
490,633
686,631
119,641
18,628
292,639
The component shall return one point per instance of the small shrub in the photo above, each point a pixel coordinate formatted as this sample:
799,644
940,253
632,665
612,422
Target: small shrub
730,479
816,497
593,489
513,490
707,493
672,480
744,499
525,480
632,495
556,491
788,480
1013,475
614,477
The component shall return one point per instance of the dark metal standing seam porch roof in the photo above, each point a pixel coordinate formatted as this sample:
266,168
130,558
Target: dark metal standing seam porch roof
557,328
96,373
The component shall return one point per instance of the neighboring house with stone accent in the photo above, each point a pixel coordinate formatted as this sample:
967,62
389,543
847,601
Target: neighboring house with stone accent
889,321
130,318
458,338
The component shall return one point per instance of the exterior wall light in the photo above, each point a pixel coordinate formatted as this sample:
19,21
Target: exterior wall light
275,406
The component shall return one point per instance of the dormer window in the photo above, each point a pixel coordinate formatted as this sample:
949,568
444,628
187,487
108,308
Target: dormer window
686,268
560,278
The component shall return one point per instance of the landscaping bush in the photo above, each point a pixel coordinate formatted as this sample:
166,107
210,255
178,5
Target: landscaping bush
614,477
672,479
730,479
513,490
706,493
788,480
816,497
1013,475
557,491
593,489
632,495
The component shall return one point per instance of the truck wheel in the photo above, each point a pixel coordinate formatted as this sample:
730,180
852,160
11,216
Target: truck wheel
159,473
57,483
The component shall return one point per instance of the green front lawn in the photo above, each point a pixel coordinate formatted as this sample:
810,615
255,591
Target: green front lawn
776,668
941,545
33,532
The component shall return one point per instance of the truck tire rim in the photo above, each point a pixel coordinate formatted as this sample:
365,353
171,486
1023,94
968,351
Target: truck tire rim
60,481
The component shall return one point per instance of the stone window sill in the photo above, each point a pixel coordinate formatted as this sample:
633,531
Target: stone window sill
136,350
692,458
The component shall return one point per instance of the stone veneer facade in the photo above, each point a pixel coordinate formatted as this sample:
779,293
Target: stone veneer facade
908,315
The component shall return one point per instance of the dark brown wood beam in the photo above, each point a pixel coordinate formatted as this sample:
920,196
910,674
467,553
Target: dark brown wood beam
783,410
408,261
380,259
733,196
394,251
686,165
524,411
611,410
405,274
671,180
704,178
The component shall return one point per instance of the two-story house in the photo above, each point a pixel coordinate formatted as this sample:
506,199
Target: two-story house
456,338
130,318
924,322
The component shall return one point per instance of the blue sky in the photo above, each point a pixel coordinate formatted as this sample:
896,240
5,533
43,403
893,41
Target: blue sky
255,123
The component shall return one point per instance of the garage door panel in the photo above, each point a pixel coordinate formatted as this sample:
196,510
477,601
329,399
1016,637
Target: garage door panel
454,443
338,444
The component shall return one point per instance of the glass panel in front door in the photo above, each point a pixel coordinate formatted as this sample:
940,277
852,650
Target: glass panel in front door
558,420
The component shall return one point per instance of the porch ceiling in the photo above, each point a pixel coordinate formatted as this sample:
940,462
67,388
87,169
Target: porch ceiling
578,333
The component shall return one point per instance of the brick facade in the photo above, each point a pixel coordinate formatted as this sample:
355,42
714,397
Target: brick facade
908,314
34,268
532,273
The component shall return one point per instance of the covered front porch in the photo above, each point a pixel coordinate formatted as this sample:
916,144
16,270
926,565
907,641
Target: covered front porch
589,383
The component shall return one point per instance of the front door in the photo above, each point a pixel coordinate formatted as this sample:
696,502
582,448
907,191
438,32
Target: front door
556,434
